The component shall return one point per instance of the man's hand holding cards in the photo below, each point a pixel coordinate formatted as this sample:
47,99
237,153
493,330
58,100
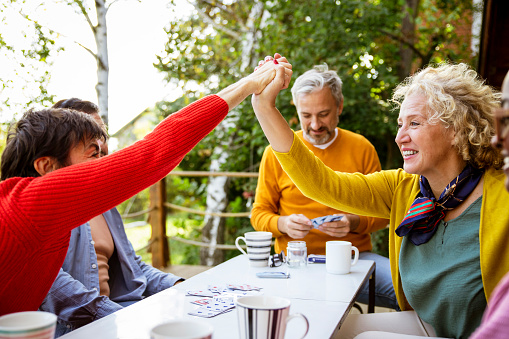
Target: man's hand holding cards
328,218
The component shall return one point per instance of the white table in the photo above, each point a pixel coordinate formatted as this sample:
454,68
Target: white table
325,299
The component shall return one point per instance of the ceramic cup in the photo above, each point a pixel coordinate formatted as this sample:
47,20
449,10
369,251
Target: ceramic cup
265,317
36,325
258,247
338,256
182,329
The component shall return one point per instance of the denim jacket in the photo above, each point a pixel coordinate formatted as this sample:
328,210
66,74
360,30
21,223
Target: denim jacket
74,296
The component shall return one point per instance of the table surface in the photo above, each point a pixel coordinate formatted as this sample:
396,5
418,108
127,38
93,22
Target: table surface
323,298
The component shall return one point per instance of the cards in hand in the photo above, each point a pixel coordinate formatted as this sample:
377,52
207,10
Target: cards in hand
327,218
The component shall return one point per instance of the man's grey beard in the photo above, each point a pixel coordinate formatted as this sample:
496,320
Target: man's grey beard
314,141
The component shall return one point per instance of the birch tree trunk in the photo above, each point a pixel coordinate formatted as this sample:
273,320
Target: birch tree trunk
101,40
217,189
100,32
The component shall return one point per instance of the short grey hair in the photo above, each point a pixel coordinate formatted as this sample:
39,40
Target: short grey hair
315,79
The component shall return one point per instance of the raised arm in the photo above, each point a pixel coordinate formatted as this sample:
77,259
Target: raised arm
273,124
49,200
279,71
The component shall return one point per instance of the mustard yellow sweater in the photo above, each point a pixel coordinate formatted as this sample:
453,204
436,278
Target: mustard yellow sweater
277,195
389,194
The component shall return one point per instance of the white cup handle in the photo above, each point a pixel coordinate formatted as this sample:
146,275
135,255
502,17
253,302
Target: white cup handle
238,246
356,256
299,315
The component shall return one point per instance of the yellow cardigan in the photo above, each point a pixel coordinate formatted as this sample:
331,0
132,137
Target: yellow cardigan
389,194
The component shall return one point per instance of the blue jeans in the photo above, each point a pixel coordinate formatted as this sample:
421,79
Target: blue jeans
384,291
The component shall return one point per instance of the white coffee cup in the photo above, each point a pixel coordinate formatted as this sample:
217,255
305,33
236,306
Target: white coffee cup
258,247
182,329
265,317
32,324
338,256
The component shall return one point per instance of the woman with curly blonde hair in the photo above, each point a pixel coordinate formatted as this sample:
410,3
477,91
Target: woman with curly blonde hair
447,206
456,97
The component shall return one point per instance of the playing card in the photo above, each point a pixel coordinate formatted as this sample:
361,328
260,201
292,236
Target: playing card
221,304
203,312
216,288
215,307
240,293
243,287
327,218
200,293
202,302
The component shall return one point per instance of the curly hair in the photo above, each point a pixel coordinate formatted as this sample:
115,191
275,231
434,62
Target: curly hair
458,98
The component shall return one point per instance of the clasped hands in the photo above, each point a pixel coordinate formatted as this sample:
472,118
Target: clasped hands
279,80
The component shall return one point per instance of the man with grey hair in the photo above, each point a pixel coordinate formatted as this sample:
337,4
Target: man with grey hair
282,209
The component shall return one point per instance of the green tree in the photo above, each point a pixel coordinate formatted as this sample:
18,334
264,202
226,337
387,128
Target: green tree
27,52
372,44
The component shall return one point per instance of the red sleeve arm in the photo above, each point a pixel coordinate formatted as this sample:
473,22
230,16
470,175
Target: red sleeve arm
73,195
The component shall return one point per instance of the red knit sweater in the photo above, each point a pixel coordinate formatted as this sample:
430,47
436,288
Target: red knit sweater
37,214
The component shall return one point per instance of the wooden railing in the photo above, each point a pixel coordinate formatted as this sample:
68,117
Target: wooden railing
158,212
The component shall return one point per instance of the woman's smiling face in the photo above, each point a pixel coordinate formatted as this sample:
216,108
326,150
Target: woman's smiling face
428,149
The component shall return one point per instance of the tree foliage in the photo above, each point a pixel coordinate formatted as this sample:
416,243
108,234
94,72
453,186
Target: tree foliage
363,40
27,52
360,39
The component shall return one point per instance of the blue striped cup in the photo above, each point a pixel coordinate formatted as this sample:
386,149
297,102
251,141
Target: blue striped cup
258,247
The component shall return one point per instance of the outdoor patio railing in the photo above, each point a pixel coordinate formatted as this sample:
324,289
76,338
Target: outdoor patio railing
158,210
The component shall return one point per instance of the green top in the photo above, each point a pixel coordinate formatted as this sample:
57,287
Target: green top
442,278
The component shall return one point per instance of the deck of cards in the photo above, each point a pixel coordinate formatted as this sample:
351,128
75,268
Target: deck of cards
219,299
328,218
213,307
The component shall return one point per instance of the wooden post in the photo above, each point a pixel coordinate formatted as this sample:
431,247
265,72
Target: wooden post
160,250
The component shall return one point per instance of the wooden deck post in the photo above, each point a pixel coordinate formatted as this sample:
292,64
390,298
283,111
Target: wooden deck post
160,249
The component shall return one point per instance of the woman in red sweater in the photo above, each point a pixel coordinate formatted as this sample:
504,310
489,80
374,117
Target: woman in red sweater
37,213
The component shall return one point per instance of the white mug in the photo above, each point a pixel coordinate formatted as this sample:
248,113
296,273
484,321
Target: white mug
338,256
32,324
265,317
258,245
182,329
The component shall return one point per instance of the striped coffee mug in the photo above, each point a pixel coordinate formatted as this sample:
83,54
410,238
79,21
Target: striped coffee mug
258,247
265,317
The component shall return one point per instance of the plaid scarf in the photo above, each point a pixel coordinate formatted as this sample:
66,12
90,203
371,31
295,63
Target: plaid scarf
421,220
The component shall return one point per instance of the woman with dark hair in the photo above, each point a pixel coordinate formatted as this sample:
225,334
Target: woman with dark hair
447,207
42,197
